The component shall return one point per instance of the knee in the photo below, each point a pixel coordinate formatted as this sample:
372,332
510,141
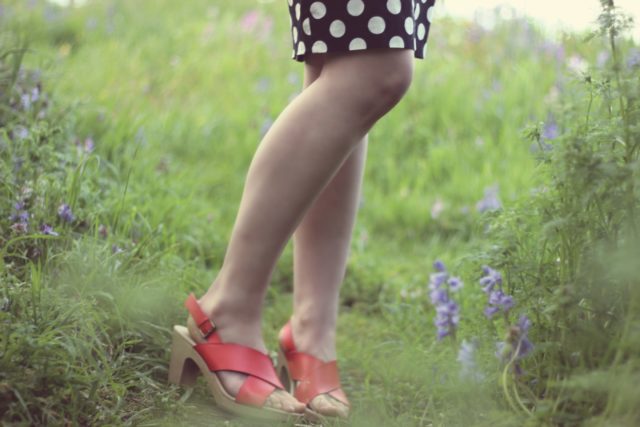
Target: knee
388,88
375,85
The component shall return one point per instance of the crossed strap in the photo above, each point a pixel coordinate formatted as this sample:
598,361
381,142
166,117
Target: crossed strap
313,376
219,356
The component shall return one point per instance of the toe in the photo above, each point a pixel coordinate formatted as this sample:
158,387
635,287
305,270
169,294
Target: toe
284,401
328,406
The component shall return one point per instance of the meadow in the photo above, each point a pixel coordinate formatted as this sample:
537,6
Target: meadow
501,200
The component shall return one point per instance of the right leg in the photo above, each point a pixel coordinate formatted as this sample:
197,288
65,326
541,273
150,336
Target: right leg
296,159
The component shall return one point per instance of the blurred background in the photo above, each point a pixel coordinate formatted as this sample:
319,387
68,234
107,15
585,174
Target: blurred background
126,130
570,15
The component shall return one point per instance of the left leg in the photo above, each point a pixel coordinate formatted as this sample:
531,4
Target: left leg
321,246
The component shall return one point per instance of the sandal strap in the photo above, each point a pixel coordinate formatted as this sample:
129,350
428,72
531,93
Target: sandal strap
254,392
318,378
238,358
205,324
261,379
313,376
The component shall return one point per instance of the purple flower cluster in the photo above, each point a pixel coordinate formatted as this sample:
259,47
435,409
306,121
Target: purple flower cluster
64,212
492,286
517,344
47,230
20,213
441,285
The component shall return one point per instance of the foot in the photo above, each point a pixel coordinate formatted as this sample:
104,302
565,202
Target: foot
236,331
319,343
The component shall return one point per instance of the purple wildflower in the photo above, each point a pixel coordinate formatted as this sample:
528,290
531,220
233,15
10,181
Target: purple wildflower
490,201
64,212
497,299
491,279
455,284
439,266
20,214
517,344
490,311
447,310
47,230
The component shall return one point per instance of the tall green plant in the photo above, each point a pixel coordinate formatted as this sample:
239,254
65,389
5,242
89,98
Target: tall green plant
572,249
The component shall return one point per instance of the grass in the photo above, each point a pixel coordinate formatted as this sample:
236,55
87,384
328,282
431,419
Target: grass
175,97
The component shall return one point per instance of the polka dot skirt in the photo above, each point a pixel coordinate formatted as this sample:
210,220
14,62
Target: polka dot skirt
321,26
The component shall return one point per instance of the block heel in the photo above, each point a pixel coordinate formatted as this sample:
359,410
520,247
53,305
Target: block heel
183,370
211,354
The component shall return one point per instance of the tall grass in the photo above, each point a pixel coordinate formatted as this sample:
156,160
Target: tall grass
126,171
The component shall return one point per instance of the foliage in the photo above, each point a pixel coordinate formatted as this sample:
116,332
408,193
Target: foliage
571,249
122,161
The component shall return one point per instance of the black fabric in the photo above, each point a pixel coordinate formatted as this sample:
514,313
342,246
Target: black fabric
321,26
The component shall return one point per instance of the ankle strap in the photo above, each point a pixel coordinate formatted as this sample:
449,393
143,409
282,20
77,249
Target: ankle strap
205,325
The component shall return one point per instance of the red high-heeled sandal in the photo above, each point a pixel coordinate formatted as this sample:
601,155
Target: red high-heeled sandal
188,359
306,376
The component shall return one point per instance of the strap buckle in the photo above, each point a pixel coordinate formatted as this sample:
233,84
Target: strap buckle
207,328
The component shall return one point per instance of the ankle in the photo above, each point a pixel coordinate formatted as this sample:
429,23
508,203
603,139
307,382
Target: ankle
224,305
315,336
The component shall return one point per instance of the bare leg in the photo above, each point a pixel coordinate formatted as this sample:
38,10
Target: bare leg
296,159
321,248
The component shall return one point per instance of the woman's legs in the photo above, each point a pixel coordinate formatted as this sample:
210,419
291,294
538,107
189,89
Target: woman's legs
321,247
296,159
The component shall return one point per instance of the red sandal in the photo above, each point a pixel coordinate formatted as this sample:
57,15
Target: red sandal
306,376
188,359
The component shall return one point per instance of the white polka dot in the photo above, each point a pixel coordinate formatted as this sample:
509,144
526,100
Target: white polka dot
376,25
318,9
355,7
394,6
416,11
301,48
298,11
396,41
319,47
295,34
408,25
357,44
290,3
306,26
421,31
337,28
430,12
